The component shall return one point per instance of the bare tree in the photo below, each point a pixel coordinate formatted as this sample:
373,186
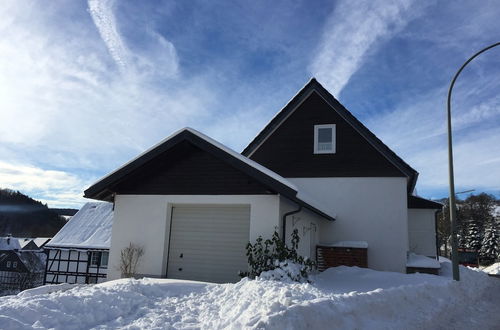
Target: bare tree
129,259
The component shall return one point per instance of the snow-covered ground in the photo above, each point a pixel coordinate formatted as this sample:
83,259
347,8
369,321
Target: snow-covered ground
339,298
493,269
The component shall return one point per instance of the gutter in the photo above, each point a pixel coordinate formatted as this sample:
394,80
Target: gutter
284,221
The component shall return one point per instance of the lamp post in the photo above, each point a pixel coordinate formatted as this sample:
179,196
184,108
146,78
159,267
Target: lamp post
453,211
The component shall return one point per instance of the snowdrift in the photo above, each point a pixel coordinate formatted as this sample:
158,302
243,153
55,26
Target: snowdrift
339,298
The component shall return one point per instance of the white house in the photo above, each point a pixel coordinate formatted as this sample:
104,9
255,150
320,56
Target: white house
79,252
193,204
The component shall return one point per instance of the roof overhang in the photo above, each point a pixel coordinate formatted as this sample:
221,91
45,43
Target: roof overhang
415,202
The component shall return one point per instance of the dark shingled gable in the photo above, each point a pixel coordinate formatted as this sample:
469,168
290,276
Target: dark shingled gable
187,164
285,145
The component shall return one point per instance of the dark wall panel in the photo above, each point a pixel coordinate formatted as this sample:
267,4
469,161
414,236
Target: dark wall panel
289,150
187,170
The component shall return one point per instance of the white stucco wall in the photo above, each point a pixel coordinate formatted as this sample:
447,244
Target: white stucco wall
306,222
367,209
422,231
145,220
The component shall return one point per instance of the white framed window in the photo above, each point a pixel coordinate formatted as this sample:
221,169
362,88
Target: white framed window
8,264
99,259
104,259
95,259
14,264
324,139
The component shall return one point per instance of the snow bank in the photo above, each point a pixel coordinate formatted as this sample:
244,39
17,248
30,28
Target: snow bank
493,269
47,289
342,297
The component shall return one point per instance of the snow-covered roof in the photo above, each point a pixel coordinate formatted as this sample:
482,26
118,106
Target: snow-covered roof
300,197
219,145
88,228
9,243
419,261
41,241
24,241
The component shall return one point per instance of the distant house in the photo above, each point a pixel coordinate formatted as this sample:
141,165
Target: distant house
193,203
78,253
20,270
22,264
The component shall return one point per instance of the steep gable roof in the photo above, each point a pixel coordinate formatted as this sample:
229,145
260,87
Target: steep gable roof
313,86
103,189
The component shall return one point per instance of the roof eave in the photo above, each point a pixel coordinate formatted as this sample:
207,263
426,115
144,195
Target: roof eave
311,208
102,190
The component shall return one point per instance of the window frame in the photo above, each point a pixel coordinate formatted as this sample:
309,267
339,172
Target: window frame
333,128
97,256
8,263
104,253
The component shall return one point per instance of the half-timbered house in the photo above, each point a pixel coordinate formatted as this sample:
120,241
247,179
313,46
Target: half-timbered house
78,253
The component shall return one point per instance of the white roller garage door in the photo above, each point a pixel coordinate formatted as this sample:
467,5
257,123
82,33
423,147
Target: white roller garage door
207,243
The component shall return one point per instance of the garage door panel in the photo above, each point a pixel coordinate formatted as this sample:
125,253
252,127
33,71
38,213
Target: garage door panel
211,240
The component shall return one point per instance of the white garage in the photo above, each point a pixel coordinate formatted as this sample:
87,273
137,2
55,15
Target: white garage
207,243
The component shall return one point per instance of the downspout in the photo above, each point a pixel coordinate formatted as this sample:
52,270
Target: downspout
284,221
436,215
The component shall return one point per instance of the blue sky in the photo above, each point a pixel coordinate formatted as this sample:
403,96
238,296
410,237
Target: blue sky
86,86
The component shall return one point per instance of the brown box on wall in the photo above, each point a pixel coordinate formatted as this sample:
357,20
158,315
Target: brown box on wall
332,256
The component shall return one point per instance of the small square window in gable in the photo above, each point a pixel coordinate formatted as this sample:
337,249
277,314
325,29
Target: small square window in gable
324,139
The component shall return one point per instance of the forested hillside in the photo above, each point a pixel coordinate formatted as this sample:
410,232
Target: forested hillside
22,216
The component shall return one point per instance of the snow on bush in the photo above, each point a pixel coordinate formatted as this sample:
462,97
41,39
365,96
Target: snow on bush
273,259
287,271
339,298
490,249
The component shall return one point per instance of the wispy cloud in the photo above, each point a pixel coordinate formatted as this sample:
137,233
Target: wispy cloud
58,187
85,86
102,14
355,29
416,130
156,56
64,106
